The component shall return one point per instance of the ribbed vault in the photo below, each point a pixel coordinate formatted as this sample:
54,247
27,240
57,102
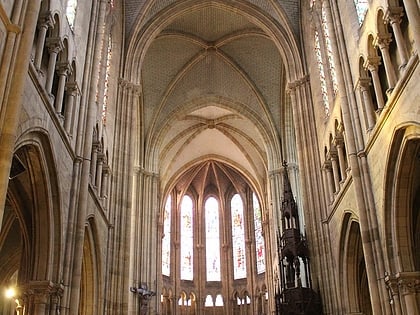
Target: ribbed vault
213,84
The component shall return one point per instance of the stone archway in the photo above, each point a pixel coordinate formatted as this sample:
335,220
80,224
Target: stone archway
355,288
402,208
29,236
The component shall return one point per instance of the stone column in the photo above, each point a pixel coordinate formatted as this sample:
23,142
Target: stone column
93,161
12,100
393,17
339,144
409,284
72,92
105,179
63,69
332,155
393,290
99,166
55,45
372,64
38,295
45,22
363,85
328,182
413,14
382,41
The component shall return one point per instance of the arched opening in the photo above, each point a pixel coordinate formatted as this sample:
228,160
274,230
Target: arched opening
213,209
29,235
402,221
355,288
89,303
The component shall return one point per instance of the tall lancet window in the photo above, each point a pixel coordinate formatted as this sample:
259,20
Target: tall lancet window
166,240
330,55
321,74
361,8
107,77
187,234
238,237
71,12
212,239
259,239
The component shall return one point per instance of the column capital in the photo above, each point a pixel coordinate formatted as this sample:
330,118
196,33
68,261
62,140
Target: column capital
332,154
338,141
408,282
54,44
382,40
72,88
46,20
40,290
326,166
394,14
64,68
297,83
363,83
372,63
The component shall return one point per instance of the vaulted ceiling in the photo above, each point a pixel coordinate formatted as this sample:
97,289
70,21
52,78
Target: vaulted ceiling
213,85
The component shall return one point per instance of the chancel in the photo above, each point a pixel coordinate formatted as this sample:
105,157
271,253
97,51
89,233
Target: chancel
196,157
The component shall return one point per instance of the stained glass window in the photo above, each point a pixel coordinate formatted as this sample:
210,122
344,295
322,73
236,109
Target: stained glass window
259,239
166,240
321,73
330,55
187,238
219,300
238,237
361,8
71,12
107,74
212,239
209,301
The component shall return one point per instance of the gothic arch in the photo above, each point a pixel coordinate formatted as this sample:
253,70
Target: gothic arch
31,233
354,291
90,283
402,204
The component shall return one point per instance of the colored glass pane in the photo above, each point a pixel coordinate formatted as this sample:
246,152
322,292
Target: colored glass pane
166,240
238,237
330,55
321,73
186,238
259,239
361,8
71,12
212,239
